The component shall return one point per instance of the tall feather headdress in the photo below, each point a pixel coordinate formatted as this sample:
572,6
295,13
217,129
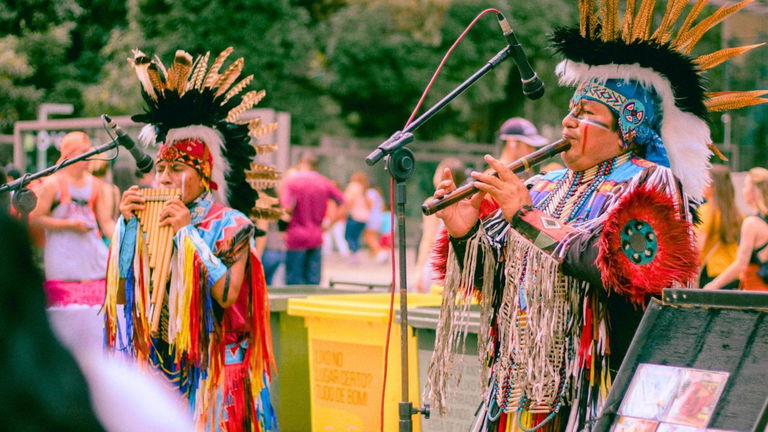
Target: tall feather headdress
612,46
190,100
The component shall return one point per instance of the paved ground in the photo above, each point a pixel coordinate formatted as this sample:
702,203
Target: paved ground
361,270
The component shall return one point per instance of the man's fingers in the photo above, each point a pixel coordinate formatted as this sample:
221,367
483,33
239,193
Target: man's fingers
174,206
477,199
167,211
487,179
504,172
447,185
501,169
485,187
443,188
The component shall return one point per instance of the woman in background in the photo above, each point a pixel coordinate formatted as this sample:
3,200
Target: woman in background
753,244
372,230
718,234
359,209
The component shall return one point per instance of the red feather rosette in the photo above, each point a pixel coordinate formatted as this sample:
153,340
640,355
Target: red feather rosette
645,246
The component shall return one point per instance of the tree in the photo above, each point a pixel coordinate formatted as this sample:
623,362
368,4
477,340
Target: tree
380,55
53,53
18,97
272,36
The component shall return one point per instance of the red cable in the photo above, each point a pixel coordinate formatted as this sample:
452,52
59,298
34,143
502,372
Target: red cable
392,203
442,62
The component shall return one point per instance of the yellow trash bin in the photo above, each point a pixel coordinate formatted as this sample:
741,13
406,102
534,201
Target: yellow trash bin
346,339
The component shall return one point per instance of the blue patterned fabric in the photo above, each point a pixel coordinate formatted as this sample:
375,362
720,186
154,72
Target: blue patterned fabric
219,234
637,109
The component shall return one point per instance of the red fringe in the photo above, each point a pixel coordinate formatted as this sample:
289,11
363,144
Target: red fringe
502,427
586,337
141,322
237,403
676,259
261,333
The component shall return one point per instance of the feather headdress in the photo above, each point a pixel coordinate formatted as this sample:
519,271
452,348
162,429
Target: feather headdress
191,101
614,47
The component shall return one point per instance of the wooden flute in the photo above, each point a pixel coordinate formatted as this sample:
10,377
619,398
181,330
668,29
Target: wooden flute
520,165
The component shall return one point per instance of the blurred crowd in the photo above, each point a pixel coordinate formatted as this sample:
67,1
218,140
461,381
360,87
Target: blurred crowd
76,209
73,220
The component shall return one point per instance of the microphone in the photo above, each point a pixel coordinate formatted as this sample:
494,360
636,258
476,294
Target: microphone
143,161
533,88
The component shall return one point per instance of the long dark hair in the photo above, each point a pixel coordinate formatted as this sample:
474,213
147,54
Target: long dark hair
41,386
723,202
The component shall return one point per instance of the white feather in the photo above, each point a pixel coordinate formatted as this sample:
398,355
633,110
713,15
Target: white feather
215,142
148,136
686,137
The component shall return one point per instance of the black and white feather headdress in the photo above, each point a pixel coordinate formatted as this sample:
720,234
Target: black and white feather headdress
614,45
190,100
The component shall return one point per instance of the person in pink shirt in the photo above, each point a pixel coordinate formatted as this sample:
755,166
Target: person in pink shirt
305,195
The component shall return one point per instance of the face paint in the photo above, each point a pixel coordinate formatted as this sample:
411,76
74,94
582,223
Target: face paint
576,112
595,123
584,137
183,183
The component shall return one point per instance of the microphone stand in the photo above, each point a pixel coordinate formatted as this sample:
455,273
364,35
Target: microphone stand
24,200
400,164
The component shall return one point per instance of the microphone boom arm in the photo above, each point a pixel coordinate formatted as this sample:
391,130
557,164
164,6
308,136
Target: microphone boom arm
401,138
25,179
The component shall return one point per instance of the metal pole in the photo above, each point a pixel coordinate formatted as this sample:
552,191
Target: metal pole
400,198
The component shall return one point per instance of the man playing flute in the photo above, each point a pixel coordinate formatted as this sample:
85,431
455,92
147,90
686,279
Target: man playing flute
563,270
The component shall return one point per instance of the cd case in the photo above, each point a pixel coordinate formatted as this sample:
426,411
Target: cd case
675,399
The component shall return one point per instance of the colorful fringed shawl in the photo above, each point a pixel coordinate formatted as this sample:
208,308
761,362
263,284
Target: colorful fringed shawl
219,359
545,323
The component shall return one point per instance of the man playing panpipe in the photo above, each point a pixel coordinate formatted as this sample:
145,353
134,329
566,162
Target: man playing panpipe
563,270
207,328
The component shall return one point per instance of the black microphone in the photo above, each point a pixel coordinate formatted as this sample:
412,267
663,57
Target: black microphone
143,161
533,88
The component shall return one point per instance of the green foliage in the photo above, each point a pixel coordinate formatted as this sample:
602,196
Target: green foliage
270,34
60,49
18,98
340,67
117,93
379,63
18,17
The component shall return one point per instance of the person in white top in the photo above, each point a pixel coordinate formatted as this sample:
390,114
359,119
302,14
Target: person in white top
75,214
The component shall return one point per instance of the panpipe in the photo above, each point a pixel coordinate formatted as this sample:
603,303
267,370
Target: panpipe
159,243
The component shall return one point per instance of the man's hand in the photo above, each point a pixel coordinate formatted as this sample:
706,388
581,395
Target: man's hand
175,214
507,189
130,202
459,217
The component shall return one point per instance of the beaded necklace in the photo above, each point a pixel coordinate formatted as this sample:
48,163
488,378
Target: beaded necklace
577,214
568,199
564,188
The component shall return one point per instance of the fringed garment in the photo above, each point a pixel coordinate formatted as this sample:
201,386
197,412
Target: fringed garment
219,359
560,297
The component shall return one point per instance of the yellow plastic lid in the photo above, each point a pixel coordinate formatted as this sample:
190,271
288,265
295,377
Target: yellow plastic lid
360,307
